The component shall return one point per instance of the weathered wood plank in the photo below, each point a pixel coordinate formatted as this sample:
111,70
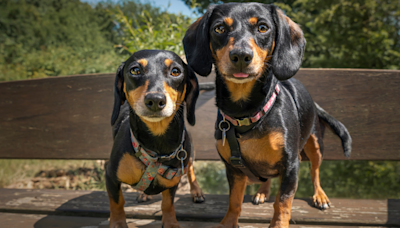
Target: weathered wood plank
12,220
68,117
95,204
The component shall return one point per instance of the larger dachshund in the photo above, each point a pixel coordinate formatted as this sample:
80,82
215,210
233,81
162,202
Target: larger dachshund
265,117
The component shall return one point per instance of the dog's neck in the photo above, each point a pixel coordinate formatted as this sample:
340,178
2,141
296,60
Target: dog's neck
162,144
260,92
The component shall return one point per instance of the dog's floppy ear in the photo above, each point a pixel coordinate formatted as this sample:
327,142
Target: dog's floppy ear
192,93
197,44
119,96
289,45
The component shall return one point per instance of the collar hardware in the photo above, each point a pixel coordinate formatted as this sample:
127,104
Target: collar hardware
250,120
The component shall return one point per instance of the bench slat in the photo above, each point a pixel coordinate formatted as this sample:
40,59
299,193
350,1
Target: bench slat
38,220
95,204
69,117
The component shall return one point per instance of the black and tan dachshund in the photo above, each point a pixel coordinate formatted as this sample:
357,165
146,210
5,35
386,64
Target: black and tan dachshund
265,118
152,149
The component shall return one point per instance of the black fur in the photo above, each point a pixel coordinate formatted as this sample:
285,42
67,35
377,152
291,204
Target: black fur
124,117
293,114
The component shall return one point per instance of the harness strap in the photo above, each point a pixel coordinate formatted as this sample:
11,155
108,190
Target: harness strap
154,166
241,126
236,157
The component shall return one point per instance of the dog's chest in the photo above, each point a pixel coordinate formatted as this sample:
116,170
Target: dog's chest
267,149
130,171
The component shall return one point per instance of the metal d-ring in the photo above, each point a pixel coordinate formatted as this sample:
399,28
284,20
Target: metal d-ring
181,158
220,125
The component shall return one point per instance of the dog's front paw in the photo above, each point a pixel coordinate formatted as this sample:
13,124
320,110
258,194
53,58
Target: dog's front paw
197,194
118,224
171,225
260,198
143,198
320,200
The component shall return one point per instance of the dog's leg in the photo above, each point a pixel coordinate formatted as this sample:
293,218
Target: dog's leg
142,197
117,213
195,190
312,150
284,197
237,186
168,209
263,192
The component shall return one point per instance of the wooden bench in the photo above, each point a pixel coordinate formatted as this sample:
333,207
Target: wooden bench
69,118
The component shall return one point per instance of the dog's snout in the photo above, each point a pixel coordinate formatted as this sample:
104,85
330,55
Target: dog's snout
241,57
155,101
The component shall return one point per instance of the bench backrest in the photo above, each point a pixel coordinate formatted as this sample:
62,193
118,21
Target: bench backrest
69,117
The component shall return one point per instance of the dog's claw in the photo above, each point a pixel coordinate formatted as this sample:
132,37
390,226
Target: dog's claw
199,199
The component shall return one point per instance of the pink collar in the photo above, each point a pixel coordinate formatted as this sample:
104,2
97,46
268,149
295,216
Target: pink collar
249,120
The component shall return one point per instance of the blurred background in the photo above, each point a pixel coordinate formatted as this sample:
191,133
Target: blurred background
49,38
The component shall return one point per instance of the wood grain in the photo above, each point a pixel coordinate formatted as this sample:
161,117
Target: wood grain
39,220
69,117
95,204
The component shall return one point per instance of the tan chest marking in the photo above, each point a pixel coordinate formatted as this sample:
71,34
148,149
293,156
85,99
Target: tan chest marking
130,169
266,149
240,91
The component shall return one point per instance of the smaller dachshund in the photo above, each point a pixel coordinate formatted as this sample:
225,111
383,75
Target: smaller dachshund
152,149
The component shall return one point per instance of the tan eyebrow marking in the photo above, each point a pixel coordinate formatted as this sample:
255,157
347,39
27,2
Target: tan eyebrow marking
142,62
253,20
168,62
228,21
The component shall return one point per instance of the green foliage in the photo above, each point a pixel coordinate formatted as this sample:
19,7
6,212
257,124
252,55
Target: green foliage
340,179
151,30
41,38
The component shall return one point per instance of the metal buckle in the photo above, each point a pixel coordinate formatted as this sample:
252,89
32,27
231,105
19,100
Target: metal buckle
237,162
243,122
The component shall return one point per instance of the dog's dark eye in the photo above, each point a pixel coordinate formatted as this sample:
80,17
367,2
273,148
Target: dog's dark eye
219,29
175,72
262,28
135,71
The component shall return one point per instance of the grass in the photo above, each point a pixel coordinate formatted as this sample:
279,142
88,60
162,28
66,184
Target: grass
339,179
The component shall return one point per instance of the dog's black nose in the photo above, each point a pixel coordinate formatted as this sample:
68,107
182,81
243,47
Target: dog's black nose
241,57
155,101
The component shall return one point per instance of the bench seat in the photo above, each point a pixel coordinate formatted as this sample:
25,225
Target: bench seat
94,204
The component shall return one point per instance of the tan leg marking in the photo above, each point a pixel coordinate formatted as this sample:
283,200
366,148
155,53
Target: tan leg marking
117,213
231,218
167,183
282,211
313,152
130,169
195,190
142,62
263,192
168,211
